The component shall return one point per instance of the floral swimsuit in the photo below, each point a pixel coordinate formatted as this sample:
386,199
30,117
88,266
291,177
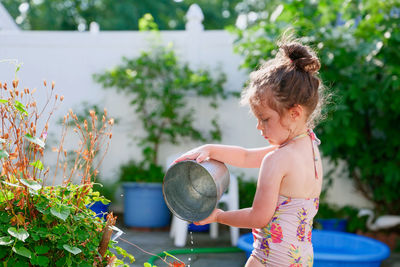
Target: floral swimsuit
286,240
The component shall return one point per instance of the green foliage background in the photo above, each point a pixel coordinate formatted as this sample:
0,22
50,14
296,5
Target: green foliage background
118,15
357,42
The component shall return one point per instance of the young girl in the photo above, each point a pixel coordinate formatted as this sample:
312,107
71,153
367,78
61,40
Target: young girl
284,95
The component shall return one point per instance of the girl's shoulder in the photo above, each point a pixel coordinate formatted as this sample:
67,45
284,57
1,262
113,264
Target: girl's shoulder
281,154
279,157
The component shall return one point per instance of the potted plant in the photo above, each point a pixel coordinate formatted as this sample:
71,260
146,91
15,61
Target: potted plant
43,224
159,86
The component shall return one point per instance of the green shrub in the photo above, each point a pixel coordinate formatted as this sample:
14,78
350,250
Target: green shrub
357,42
247,190
49,225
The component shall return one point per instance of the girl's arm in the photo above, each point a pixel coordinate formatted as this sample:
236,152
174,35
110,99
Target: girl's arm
232,155
272,171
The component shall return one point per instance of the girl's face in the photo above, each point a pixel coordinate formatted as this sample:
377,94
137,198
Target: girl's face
271,124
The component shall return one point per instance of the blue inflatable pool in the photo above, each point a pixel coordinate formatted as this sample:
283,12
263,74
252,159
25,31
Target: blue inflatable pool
332,248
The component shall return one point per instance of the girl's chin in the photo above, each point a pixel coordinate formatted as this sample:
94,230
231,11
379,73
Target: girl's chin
272,142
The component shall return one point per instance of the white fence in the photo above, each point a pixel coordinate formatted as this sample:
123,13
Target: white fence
71,58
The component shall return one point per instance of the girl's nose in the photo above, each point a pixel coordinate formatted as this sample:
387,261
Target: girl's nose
259,127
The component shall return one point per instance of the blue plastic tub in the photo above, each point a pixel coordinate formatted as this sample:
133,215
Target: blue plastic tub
144,205
332,248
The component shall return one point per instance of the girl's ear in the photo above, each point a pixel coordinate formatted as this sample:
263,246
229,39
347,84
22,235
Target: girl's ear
296,112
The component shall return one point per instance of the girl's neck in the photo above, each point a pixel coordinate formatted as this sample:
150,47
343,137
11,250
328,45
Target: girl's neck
296,134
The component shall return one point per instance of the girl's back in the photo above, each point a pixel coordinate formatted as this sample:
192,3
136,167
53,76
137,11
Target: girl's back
304,177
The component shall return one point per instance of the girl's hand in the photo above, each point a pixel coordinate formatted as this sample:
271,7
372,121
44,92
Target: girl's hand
210,219
199,154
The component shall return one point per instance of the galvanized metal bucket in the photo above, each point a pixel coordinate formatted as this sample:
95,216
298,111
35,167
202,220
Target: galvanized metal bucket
192,190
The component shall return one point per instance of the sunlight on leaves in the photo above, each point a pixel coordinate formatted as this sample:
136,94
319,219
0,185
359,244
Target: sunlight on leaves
73,250
22,251
35,140
37,164
20,234
60,212
3,154
31,184
20,107
5,241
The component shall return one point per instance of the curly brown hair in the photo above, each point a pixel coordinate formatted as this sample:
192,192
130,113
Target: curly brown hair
290,78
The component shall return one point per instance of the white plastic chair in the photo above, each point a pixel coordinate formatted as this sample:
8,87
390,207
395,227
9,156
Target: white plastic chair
179,228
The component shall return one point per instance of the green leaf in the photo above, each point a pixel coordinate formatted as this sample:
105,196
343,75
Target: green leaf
20,234
41,249
61,212
73,250
35,140
61,261
31,184
3,101
22,251
5,241
9,195
3,154
37,164
123,252
102,200
3,253
42,260
20,107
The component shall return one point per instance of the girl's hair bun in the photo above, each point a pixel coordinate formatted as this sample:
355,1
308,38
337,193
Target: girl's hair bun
301,57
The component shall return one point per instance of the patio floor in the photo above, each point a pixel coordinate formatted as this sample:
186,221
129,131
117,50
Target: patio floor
156,241
159,241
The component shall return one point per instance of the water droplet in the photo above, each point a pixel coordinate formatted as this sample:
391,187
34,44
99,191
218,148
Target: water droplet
122,195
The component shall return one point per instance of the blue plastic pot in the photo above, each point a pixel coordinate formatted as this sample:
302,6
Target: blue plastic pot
100,209
332,248
198,228
333,224
144,205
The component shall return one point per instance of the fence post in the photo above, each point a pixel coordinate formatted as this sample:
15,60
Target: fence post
6,21
194,18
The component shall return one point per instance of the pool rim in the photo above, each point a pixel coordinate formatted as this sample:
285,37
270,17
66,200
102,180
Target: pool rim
381,252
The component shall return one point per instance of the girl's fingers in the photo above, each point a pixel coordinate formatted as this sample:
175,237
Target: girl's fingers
186,157
201,158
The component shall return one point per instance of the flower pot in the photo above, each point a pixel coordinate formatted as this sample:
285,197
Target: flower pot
144,205
100,209
333,224
198,228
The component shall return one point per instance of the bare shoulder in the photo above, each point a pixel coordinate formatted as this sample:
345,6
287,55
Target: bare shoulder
279,157
277,162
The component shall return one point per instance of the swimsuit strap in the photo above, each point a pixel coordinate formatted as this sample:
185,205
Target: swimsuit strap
318,142
294,138
314,139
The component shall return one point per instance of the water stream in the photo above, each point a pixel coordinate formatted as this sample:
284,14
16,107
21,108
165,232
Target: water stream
191,248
